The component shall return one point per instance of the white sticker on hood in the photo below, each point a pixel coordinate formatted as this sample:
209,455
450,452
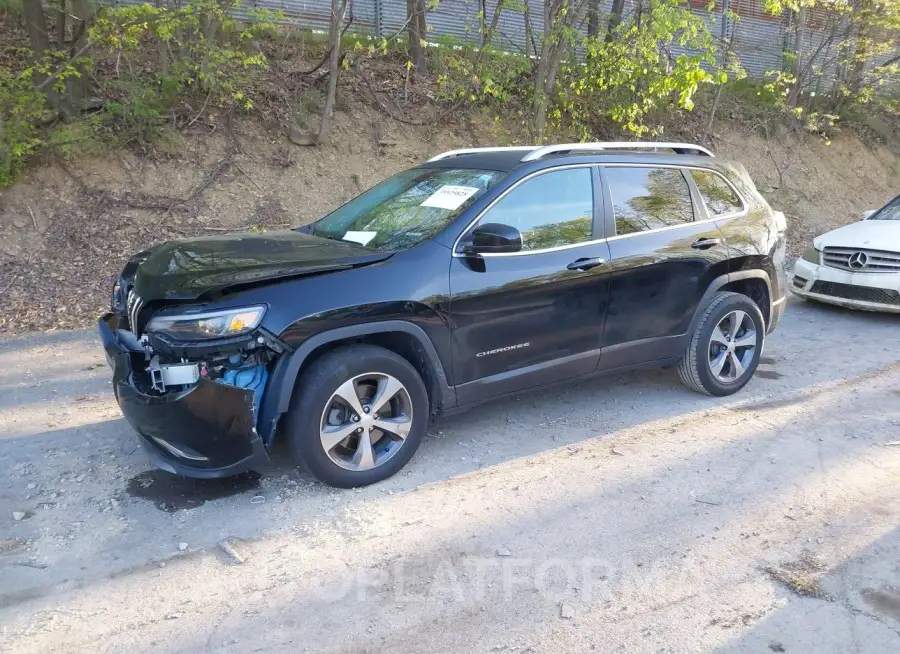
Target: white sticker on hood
450,197
362,238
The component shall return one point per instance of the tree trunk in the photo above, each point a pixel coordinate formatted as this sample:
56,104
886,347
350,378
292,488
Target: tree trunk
4,155
162,49
338,7
36,25
540,94
61,24
420,16
415,32
615,17
489,30
541,115
593,18
862,16
530,45
559,17
482,10
797,68
79,87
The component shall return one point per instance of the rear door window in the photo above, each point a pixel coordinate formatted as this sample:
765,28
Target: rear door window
718,195
648,198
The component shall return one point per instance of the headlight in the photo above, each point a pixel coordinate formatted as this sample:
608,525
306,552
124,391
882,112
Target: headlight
215,324
811,255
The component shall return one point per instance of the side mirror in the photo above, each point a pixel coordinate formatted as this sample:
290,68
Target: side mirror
494,238
868,214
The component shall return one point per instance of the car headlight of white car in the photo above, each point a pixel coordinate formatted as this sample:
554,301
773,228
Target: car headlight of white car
812,255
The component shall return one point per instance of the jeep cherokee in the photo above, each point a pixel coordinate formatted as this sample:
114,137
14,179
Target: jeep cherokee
480,273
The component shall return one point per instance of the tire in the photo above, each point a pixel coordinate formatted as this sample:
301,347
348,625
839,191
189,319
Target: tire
319,406
696,369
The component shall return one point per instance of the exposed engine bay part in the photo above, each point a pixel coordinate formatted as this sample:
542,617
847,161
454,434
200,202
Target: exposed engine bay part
172,374
204,421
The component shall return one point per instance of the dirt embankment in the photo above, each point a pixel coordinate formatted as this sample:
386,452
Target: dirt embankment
66,229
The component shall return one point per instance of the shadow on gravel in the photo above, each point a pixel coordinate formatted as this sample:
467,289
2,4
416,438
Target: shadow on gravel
855,608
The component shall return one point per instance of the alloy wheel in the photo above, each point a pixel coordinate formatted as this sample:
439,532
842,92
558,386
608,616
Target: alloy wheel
732,346
366,421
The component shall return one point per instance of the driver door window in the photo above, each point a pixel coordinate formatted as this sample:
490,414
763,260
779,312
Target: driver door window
550,210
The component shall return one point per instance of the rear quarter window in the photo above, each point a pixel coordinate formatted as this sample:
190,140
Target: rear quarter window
717,194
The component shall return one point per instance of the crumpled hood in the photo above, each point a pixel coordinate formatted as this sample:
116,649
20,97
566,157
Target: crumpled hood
866,234
187,269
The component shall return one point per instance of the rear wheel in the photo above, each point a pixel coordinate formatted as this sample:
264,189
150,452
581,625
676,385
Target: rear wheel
726,345
358,417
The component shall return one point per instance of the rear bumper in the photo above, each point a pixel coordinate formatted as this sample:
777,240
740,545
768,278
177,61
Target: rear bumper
206,430
778,307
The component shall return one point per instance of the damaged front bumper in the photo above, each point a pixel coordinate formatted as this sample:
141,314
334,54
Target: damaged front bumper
205,428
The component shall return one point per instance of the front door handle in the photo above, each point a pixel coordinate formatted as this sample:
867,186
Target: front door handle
706,243
586,264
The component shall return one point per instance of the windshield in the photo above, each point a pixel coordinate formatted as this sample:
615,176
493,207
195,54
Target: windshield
406,209
890,211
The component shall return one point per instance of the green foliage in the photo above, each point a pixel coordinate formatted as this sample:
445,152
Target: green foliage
631,78
20,107
24,107
150,63
486,76
141,105
10,8
203,47
627,80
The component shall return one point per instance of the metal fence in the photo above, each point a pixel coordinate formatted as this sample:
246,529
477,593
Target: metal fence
758,39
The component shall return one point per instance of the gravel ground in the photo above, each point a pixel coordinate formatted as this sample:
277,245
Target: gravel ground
618,514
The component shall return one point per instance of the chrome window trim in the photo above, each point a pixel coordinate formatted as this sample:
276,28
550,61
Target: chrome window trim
735,214
481,214
618,237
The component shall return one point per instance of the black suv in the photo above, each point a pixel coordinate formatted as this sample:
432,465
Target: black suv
480,273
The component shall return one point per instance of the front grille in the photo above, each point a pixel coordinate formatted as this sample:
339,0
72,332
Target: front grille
133,306
857,260
861,293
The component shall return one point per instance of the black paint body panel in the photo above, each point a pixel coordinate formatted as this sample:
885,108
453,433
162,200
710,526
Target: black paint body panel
485,326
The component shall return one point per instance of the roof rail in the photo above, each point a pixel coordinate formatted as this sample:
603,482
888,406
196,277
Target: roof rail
456,153
679,148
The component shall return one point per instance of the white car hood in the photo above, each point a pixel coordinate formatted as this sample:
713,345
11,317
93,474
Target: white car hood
866,234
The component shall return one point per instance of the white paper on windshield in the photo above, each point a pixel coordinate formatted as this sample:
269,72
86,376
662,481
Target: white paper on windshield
450,197
362,238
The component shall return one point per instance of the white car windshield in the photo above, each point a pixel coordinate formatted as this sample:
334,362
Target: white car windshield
406,209
890,211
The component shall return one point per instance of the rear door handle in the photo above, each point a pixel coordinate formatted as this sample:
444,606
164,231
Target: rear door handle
706,243
586,264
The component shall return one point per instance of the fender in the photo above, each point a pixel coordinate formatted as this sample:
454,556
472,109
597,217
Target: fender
280,390
716,284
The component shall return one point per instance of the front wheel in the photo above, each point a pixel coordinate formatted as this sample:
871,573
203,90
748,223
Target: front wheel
358,417
726,345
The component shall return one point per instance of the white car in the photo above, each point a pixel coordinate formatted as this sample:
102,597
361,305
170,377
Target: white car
856,266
